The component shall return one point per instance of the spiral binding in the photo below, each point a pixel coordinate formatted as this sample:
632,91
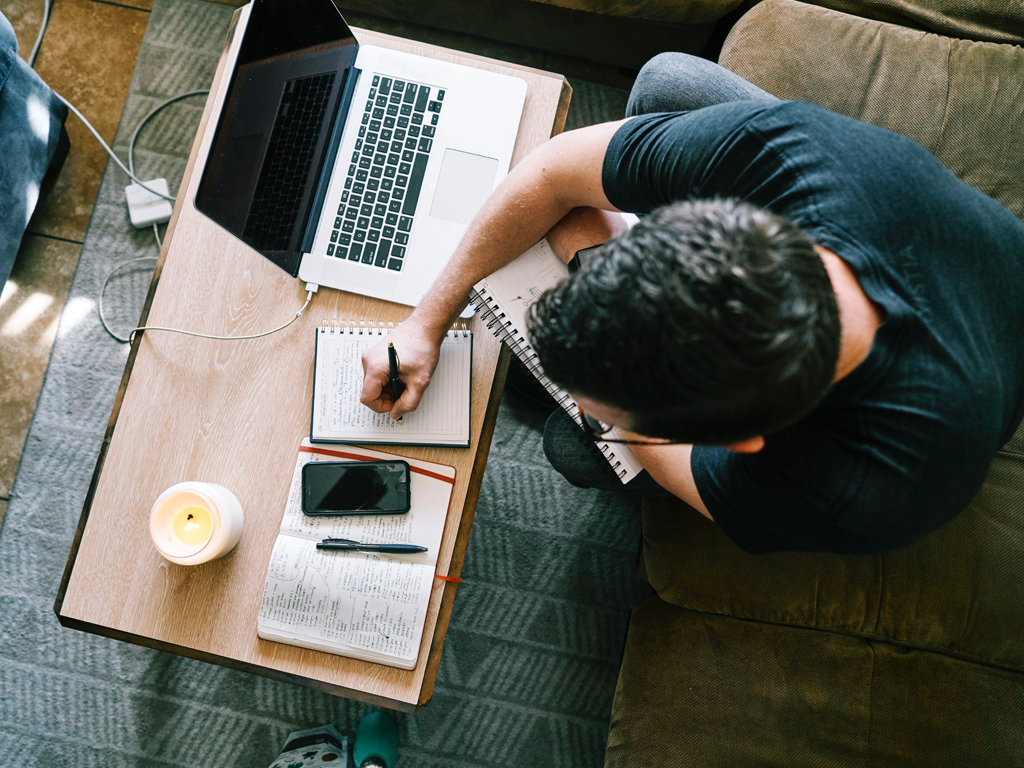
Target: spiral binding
381,328
515,340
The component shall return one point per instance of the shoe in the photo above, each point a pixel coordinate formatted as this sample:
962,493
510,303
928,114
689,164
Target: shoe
313,746
376,742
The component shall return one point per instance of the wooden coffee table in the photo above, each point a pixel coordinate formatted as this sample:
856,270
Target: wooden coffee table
233,413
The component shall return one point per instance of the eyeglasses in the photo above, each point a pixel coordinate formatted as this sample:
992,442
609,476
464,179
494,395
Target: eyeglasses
598,431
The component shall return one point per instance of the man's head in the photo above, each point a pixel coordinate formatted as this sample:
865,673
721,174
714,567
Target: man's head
708,322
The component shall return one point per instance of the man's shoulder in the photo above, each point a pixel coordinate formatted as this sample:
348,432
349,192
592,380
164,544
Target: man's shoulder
832,483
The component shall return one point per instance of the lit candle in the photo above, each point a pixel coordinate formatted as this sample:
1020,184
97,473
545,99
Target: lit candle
195,522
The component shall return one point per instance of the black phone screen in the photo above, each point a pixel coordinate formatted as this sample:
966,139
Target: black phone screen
582,258
355,488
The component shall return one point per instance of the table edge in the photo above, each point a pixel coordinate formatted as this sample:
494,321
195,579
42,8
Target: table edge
76,542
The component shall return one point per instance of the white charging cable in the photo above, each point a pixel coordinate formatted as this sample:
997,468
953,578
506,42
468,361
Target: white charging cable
135,136
39,37
110,152
309,298
142,123
311,288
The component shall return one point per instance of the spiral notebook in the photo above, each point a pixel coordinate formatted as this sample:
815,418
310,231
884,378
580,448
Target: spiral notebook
504,298
443,415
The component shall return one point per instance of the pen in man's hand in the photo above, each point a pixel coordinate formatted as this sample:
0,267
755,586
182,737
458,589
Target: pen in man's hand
396,384
345,545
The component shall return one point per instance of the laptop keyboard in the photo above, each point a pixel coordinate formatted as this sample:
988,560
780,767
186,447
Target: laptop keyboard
275,203
385,173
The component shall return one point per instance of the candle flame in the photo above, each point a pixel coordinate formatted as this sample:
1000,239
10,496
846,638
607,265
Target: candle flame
193,526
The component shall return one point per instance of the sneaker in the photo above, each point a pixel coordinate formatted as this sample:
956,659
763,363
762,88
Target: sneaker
376,743
312,747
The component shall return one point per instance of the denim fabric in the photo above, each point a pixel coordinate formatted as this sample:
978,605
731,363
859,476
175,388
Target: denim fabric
670,82
31,117
678,82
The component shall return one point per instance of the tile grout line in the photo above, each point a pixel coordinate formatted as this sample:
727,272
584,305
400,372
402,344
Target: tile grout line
122,5
55,237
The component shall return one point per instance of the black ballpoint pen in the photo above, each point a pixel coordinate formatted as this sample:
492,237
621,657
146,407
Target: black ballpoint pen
396,384
347,545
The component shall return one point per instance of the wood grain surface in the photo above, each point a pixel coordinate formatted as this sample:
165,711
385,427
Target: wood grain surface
233,413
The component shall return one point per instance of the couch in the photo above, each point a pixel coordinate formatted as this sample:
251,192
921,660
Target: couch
913,657
620,33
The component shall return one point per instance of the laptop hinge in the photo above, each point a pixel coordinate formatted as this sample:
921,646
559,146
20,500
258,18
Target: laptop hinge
348,90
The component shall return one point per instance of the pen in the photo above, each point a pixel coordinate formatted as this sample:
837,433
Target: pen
396,384
346,545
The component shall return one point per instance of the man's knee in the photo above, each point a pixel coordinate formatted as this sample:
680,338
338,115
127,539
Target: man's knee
560,444
649,90
568,450
677,82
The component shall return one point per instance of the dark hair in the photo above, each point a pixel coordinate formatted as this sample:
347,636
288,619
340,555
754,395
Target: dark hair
709,322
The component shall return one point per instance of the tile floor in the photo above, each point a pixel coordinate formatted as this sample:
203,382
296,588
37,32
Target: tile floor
88,55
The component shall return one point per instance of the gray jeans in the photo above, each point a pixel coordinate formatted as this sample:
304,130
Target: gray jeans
670,82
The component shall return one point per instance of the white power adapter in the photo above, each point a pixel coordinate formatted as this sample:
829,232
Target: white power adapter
145,208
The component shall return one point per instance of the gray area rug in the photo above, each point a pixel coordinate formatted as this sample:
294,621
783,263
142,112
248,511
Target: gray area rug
537,631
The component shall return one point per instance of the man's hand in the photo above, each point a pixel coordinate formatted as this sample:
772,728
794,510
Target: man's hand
562,174
417,357
582,228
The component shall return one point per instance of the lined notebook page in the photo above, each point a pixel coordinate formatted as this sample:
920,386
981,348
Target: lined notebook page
442,417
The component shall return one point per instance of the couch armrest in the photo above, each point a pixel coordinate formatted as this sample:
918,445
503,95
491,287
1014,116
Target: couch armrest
963,101
991,21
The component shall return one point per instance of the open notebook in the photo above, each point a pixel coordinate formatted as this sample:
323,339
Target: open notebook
504,299
363,605
441,419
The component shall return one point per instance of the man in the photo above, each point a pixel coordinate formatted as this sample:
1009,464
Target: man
833,319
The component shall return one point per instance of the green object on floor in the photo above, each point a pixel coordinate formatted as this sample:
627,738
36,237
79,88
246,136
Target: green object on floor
376,737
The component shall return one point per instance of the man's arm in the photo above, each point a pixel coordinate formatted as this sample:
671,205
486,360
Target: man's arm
669,467
563,174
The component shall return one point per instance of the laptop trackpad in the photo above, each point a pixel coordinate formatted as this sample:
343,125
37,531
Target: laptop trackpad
465,182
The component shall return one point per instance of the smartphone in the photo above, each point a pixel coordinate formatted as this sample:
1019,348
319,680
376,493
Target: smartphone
356,488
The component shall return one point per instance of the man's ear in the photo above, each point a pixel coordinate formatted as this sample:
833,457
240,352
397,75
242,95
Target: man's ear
753,445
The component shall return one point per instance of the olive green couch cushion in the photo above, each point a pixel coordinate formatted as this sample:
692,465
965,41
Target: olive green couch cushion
962,100
703,690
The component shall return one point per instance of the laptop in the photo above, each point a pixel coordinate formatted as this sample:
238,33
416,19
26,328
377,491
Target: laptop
353,167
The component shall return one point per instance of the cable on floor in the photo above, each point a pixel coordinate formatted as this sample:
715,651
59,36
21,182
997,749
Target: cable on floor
135,136
42,29
131,174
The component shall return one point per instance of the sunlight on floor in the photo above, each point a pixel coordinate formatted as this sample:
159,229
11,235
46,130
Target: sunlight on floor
75,311
26,314
10,289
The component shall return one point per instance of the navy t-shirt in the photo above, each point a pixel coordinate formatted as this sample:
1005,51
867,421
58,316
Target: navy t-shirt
902,444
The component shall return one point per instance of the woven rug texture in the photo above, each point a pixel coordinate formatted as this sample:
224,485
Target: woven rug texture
537,631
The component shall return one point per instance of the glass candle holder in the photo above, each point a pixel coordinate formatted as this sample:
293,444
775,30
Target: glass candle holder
195,522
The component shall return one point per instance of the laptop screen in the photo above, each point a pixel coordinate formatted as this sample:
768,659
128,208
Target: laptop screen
278,125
